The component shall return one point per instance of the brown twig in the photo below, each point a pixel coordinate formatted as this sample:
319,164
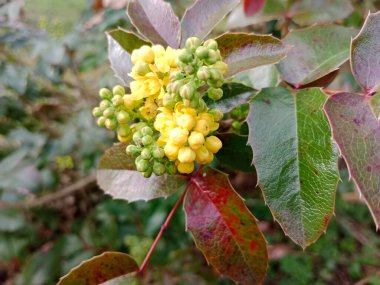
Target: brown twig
47,199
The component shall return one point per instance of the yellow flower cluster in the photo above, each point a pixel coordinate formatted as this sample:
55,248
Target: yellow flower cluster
151,74
185,136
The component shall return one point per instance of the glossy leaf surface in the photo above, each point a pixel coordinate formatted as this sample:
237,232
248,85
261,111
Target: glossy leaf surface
295,159
365,54
118,177
356,130
203,16
316,51
246,51
100,269
224,229
155,20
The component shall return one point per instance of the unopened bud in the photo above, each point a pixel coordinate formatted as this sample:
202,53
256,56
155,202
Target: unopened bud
158,152
101,121
105,94
146,154
97,112
202,52
187,91
141,68
123,117
137,137
158,168
142,165
148,172
192,43
124,130
168,100
185,56
110,124
236,125
217,114
104,104
203,73
147,131
147,140
189,69
211,44
109,112
133,150
118,90
215,74
176,76
171,168
117,100
215,93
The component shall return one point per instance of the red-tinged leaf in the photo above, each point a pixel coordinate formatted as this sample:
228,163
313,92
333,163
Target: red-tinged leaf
356,130
365,54
316,51
121,43
323,81
100,269
117,176
155,20
203,16
246,51
224,229
251,7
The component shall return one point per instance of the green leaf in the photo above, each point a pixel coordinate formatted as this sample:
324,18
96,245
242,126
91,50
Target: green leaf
121,43
295,159
224,229
316,51
100,269
235,154
357,132
309,12
365,54
375,104
118,177
259,77
155,20
246,51
203,16
234,94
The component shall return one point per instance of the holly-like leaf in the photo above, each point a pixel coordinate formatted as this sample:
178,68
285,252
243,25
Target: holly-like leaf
246,51
235,153
121,43
155,20
356,130
324,81
365,54
100,269
251,7
316,51
295,159
259,77
234,94
203,16
118,177
224,229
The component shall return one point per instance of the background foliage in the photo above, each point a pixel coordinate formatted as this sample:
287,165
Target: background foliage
53,58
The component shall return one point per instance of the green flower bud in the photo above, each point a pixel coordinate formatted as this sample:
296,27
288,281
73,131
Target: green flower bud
146,153
215,74
187,91
202,106
192,43
147,140
105,94
141,68
118,90
215,84
110,124
217,114
148,172
158,152
194,103
211,44
185,56
168,101
213,57
123,117
201,52
189,69
170,168
142,165
215,93
176,76
117,100
236,125
147,131
137,137
158,168
124,130
203,73
101,121
133,150
138,158
104,104
175,86
97,112
109,112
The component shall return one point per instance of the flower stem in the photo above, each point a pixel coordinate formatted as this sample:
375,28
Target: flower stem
167,221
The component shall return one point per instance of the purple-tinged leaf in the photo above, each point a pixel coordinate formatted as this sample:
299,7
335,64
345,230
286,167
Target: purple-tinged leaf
246,51
203,16
155,20
316,51
323,81
118,177
295,159
356,130
121,43
365,54
251,7
224,229
100,269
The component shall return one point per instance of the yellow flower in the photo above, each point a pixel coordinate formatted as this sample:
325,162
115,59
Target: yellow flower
149,110
213,144
171,151
185,168
186,154
186,121
196,140
202,127
202,155
146,54
178,136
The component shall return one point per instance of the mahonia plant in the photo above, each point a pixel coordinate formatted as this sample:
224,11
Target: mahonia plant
182,102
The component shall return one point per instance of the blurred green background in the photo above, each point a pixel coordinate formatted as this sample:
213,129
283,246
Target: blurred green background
53,59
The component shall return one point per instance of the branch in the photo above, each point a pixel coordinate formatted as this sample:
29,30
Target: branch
49,198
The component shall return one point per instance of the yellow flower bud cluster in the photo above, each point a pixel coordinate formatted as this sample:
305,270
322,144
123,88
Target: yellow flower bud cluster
185,135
